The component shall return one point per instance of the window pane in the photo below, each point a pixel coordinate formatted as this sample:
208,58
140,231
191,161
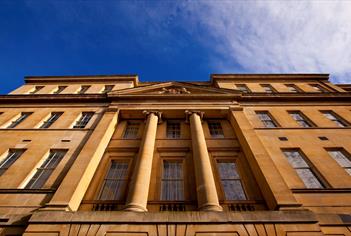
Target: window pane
172,186
340,158
173,129
309,179
228,170
22,117
216,130
266,119
54,116
333,117
11,157
84,120
131,130
295,159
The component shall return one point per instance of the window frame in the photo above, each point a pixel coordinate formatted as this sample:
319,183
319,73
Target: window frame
83,89
319,88
107,90
305,119
345,153
338,119
221,134
169,134
178,159
272,119
14,122
245,90
272,89
6,158
124,136
47,121
60,89
296,88
77,122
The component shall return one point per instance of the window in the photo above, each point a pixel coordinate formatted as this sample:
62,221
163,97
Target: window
53,117
131,130
83,120
342,158
43,173
21,118
243,88
335,118
83,89
60,89
304,171
11,157
172,183
115,181
108,88
231,181
293,88
301,119
36,89
266,119
215,128
268,88
173,129
319,88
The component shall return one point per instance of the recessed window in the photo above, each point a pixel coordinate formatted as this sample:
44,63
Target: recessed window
319,88
53,117
132,129
83,120
231,180
335,118
43,173
301,119
84,89
36,89
172,182
12,156
342,158
283,138
173,129
293,88
107,88
304,171
60,89
266,119
115,181
215,128
323,138
22,117
243,88
268,88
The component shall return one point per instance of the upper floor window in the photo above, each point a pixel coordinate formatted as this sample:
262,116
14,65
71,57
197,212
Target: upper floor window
21,118
12,156
268,88
301,119
266,119
304,171
53,117
83,120
231,180
243,88
115,181
60,89
293,88
36,89
215,128
173,129
83,89
108,88
319,88
172,182
342,158
43,173
335,118
131,130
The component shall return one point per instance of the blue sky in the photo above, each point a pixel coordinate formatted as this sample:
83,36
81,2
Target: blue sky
173,40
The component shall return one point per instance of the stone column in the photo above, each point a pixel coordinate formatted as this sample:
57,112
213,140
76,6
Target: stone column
205,184
139,191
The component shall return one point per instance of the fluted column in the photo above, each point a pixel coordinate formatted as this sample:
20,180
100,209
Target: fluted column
205,184
139,191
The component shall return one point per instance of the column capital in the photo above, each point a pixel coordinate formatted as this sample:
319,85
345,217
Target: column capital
156,113
188,113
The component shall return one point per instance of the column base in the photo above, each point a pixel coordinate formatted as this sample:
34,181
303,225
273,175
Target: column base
135,208
211,208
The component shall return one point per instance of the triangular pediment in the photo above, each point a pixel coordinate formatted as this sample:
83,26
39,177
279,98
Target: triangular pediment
173,89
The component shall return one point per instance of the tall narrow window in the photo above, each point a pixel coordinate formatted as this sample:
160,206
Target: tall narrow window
115,182
335,118
231,181
301,119
83,120
243,88
268,88
303,170
36,89
60,89
172,183
173,129
43,173
21,118
131,130
319,88
53,117
266,119
107,88
11,157
342,158
293,88
215,128
83,89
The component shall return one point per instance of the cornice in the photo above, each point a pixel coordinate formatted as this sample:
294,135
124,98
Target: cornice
52,98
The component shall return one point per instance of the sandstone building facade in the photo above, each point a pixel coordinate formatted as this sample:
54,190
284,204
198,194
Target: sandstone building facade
241,154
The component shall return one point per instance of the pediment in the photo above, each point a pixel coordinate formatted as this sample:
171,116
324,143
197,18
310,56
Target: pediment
173,89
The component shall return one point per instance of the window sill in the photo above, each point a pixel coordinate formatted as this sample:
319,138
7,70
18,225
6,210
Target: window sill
324,190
